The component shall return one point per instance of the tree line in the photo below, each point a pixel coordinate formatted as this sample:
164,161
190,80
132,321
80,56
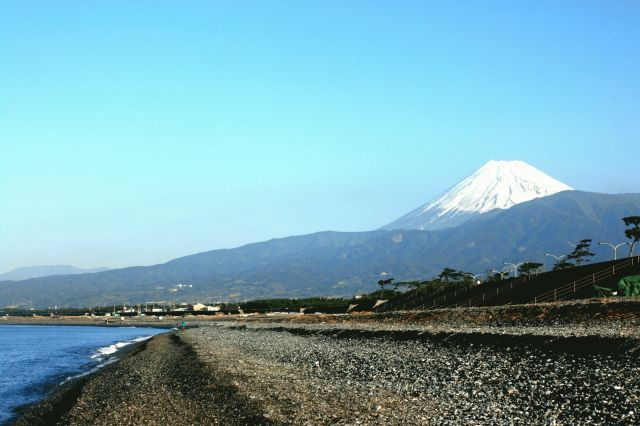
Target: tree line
452,278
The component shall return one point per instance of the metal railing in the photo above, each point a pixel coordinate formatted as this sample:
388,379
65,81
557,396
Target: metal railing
419,299
482,297
429,301
573,287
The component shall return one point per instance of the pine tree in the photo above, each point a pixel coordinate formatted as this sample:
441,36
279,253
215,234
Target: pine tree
581,252
634,232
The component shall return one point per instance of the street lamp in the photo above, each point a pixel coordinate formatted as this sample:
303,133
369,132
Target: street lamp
557,258
515,268
615,248
473,277
502,274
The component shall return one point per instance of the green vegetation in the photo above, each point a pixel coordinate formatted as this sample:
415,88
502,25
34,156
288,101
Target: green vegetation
630,286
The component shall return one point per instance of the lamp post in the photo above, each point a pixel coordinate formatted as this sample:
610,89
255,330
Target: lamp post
473,277
501,273
614,247
557,258
515,268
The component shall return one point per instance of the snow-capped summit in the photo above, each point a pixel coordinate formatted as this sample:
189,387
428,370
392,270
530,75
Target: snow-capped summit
496,185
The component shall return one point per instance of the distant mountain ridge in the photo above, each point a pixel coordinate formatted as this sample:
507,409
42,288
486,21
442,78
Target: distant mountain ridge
346,263
496,185
28,272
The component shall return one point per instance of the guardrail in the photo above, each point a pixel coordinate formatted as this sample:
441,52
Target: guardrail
573,287
472,301
411,299
428,301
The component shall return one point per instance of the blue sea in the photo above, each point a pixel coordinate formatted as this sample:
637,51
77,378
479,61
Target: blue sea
34,359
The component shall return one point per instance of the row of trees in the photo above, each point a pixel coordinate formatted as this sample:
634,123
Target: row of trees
452,278
449,278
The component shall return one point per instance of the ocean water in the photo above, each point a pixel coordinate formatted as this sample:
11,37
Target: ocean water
34,359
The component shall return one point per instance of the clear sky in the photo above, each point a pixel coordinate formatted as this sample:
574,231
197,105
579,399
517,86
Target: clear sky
133,132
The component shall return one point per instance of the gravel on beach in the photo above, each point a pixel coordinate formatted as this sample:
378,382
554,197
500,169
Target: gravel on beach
317,378
466,366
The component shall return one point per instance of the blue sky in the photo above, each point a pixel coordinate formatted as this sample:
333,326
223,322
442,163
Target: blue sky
136,132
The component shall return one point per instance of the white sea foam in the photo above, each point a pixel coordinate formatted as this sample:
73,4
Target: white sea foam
104,352
103,356
93,370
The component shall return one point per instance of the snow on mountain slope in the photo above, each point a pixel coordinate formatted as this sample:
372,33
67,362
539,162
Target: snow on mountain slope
496,185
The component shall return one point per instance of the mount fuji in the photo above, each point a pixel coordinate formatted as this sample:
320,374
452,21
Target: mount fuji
496,185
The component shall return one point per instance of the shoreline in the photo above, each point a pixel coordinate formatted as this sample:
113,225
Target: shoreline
161,378
62,396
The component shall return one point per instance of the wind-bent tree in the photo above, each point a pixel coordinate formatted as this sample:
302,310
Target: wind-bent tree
529,268
581,252
634,232
383,283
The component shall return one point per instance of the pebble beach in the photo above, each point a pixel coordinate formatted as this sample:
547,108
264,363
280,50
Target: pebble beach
369,370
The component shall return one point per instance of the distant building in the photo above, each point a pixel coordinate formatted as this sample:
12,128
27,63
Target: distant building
202,307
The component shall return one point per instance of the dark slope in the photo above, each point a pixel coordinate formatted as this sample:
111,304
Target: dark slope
334,263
